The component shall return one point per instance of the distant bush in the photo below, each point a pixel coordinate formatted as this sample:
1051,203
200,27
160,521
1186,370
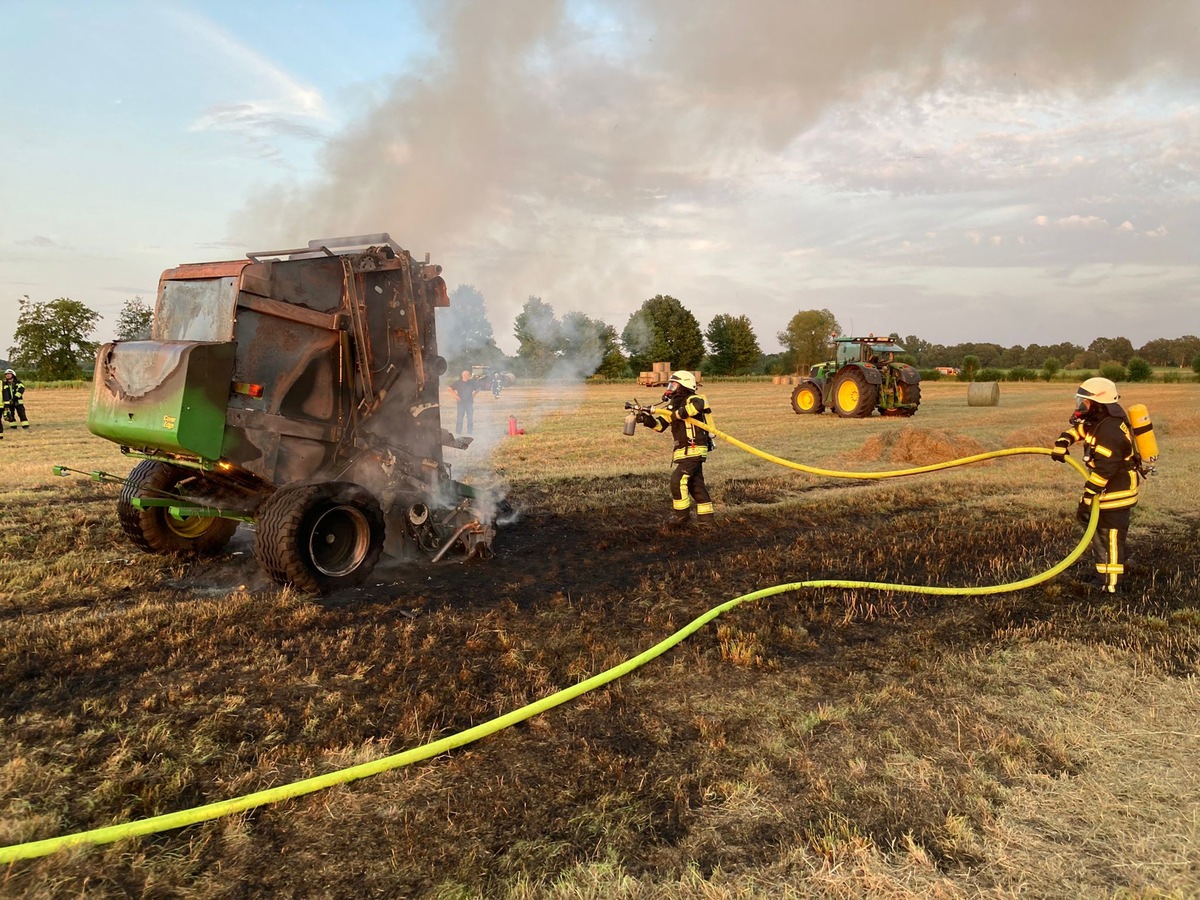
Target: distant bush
989,375
1139,369
1171,378
1196,364
1020,373
930,374
1113,371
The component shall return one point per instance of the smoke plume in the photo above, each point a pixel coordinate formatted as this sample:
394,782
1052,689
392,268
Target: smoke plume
556,148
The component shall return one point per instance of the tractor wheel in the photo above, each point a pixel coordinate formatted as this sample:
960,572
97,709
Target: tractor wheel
155,529
909,394
853,396
319,537
806,399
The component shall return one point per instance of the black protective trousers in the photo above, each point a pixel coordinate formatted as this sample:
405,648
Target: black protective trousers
687,484
1108,546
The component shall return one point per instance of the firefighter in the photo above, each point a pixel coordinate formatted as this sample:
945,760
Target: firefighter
13,394
684,407
1114,471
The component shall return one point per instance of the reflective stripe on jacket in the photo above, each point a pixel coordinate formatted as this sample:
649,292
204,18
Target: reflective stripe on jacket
690,441
1109,455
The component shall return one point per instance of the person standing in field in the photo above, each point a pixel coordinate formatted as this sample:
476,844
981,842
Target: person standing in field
684,408
13,394
1111,457
465,389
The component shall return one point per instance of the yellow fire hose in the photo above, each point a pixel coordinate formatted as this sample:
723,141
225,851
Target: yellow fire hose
210,811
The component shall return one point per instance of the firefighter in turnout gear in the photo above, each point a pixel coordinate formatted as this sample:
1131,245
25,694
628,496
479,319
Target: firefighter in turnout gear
1114,471
13,391
683,408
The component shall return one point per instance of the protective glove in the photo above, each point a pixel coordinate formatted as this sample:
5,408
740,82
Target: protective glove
647,419
1059,453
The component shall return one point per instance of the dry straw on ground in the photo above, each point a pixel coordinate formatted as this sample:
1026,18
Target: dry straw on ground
820,744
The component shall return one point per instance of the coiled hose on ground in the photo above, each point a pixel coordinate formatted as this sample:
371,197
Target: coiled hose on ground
210,811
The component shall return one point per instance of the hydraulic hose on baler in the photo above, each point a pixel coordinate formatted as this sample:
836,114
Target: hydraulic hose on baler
208,812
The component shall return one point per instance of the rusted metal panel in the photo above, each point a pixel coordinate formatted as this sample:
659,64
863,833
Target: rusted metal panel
291,312
201,310
192,271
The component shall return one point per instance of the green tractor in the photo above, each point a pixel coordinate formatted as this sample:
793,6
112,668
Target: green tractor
863,377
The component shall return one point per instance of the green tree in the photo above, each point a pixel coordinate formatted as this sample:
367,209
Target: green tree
51,339
662,330
733,346
1196,363
464,333
1138,369
539,337
1114,371
807,337
1118,349
914,346
970,365
1051,367
590,346
136,320
1184,350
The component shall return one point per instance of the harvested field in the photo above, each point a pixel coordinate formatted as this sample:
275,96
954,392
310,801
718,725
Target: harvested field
820,743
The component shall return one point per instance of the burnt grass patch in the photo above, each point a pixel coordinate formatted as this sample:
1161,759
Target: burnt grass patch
810,718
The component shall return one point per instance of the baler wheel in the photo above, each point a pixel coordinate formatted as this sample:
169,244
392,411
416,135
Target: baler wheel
156,530
320,537
806,399
853,396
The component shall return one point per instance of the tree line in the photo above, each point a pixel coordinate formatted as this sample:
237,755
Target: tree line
53,341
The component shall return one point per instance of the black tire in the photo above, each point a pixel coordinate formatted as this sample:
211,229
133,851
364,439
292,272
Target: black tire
853,396
320,537
155,529
806,399
909,393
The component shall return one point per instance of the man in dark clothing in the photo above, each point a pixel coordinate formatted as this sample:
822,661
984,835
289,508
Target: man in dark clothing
1113,465
684,408
464,389
13,398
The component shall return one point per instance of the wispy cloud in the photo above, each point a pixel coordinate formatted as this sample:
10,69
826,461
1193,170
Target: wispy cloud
278,104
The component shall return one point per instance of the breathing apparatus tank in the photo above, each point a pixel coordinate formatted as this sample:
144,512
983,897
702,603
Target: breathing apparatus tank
1143,432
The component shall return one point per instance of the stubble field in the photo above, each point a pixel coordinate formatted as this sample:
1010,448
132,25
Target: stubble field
1039,743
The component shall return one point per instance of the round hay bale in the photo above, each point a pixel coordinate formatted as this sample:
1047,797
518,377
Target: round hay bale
777,379
983,393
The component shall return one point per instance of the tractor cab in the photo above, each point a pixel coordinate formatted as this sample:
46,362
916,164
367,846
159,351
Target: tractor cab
870,350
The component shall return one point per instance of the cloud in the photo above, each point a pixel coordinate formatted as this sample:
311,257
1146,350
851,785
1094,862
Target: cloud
287,108
42,242
692,148
1077,221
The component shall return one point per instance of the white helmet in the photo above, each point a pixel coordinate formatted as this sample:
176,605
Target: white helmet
10,372
684,378
1093,394
1098,390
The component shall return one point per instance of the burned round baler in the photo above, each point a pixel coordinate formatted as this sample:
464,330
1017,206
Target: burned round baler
296,390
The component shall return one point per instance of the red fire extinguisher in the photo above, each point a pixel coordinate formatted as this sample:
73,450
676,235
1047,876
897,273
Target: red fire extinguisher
512,425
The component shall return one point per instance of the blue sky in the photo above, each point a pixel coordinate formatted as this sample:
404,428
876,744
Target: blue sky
960,170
